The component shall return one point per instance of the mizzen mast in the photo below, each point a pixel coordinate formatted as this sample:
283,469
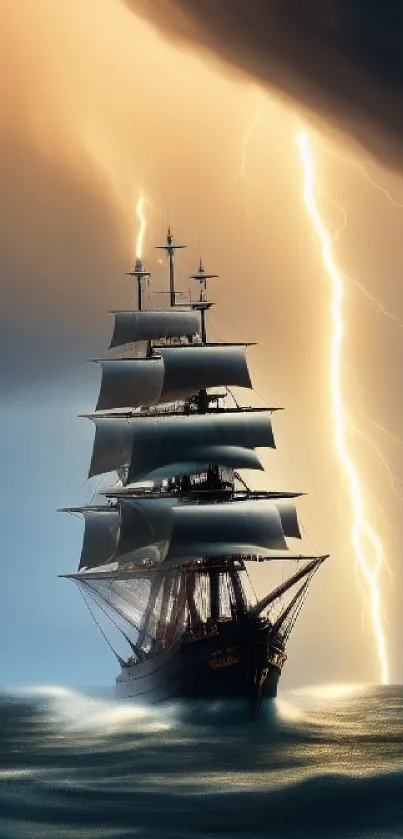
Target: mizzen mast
202,305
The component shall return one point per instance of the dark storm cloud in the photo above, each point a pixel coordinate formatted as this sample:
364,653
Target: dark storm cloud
343,59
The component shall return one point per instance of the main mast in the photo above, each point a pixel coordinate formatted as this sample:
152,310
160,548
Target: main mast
170,249
203,305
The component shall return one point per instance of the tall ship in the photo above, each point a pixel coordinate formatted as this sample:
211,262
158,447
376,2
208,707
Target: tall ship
170,539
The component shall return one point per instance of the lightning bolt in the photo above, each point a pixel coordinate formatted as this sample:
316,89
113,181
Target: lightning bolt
394,480
142,226
386,431
363,169
371,297
364,537
374,300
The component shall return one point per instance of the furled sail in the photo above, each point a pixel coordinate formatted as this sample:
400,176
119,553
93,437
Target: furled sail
154,325
152,445
226,529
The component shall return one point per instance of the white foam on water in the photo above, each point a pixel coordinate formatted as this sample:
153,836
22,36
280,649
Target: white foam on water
81,712
288,712
15,774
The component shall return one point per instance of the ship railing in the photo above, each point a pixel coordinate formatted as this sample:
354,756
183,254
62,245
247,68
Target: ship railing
168,408
182,341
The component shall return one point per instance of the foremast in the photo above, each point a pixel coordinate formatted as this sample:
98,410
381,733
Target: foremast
166,552
140,275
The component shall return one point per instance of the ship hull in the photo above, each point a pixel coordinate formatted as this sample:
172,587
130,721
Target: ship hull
237,662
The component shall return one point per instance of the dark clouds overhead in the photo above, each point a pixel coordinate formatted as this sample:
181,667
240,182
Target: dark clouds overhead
342,59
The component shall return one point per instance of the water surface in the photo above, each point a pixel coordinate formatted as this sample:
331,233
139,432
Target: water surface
320,762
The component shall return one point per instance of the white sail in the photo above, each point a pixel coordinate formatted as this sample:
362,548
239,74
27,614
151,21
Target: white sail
289,519
141,530
229,529
160,444
130,382
174,373
152,443
112,445
100,535
154,325
145,529
189,369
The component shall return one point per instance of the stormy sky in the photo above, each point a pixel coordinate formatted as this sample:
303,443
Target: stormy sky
198,104
340,59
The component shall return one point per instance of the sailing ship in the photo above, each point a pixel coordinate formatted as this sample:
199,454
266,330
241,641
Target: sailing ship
168,546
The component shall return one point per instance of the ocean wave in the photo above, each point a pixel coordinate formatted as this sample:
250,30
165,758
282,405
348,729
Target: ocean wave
319,762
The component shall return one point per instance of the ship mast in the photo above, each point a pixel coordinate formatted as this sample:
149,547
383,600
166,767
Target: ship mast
170,247
203,402
140,274
203,305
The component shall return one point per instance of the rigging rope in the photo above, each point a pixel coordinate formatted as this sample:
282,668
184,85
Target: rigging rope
119,628
97,594
116,654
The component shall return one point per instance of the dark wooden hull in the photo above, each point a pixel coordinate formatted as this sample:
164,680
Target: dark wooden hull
238,661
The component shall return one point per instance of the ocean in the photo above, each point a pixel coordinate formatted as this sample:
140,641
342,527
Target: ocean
319,762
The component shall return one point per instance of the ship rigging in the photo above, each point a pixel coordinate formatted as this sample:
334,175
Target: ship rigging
167,547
